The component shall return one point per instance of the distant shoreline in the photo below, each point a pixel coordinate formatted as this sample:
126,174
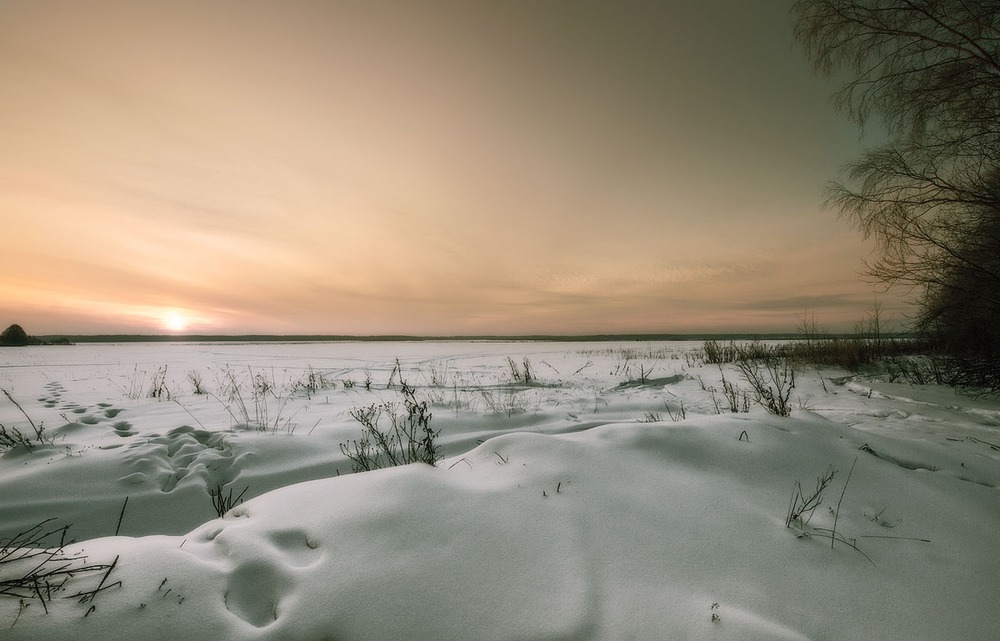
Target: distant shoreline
334,338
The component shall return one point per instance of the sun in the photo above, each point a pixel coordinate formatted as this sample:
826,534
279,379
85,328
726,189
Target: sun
175,321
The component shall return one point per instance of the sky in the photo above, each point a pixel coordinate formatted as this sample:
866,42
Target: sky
433,167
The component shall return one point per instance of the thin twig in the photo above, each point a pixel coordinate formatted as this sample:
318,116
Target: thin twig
836,515
89,596
192,415
905,538
120,517
38,433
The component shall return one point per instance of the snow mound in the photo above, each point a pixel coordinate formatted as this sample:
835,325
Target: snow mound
621,531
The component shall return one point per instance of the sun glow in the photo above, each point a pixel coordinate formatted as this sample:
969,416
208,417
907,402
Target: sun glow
175,321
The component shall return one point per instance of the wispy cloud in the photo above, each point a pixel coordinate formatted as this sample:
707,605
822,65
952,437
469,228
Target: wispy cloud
364,174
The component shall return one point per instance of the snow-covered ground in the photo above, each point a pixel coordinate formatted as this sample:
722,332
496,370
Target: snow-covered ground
612,496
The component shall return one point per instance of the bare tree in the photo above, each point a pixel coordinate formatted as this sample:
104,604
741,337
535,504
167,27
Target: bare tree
928,72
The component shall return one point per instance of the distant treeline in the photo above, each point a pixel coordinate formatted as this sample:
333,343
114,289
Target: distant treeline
15,336
317,338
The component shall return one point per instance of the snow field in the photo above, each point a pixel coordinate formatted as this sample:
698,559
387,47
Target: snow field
576,508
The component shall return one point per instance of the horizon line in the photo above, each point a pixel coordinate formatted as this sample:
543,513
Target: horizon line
582,338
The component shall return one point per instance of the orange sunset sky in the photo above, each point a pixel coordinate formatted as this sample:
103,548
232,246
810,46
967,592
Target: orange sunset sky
466,167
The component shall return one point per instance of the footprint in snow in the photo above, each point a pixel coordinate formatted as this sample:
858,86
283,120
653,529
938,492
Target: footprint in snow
186,451
123,428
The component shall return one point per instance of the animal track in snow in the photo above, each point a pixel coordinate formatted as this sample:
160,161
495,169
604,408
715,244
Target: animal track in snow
296,547
263,567
104,411
54,394
123,428
254,593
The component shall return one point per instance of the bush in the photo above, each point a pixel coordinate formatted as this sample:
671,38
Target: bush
861,351
194,377
11,438
14,336
772,381
737,399
263,410
33,569
222,503
717,353
801,506
407,439
976,375
312,382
